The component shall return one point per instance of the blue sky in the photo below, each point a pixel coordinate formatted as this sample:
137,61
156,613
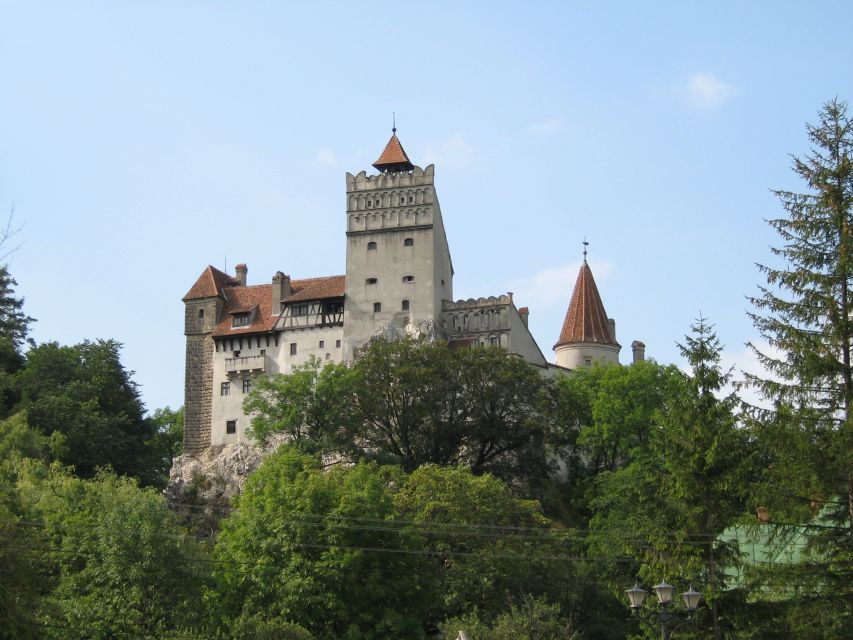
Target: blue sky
141,141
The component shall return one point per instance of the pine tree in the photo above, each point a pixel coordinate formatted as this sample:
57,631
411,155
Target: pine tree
804,314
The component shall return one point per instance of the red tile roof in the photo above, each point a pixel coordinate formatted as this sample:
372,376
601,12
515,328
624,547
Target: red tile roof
394,157
586,319
210,284
241,299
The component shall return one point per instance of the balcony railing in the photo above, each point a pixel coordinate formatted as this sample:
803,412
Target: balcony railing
246,363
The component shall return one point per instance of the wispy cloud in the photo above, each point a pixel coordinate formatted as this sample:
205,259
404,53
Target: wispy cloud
452,151
707,91
553,286
547,127
326,157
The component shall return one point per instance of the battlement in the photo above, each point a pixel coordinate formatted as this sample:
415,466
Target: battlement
476,303
414,178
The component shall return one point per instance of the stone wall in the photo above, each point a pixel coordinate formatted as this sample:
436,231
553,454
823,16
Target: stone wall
198,390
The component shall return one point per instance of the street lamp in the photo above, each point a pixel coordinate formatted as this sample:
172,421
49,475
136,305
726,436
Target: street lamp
668,620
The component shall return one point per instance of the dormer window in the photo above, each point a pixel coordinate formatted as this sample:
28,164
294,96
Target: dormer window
241,319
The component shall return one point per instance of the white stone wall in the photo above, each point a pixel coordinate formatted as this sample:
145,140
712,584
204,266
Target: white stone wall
278,360
584,354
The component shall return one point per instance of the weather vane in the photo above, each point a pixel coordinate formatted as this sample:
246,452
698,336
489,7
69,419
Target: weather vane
585,245
393,122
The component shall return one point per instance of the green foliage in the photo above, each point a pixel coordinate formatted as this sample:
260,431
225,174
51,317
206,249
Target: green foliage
311,406
84,393
324,550
673,496
411,403
531,620
260,627
168,433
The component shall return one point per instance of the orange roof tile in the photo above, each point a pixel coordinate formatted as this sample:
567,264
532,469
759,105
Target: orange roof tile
210,284
241,299
586,319
394,157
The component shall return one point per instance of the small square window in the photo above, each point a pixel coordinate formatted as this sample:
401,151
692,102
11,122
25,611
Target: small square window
405,305
409,242
230,426
225,388
293,348
235,354
408,278
322,344
587,362
247,385
377,307
338,344
371,246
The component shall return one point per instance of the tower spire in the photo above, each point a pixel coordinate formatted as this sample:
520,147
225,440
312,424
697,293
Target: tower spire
393,158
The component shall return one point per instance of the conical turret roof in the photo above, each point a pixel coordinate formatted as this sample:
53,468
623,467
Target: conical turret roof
586,319
394,157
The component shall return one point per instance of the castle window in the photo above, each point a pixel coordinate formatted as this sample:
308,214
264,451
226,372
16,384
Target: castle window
405,305
201,314
293,348
371,281
371,246
411,199
338,344
494,341
299,310
240,320
587,362
247,385
322,343
442,282
370,203
408,278
235,354
377,307
230,426
409,242
328,355
225,388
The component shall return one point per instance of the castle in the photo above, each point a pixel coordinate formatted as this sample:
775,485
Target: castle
398,281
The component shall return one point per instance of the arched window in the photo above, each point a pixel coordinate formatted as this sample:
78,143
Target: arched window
371,246
371,281
405,305
409,242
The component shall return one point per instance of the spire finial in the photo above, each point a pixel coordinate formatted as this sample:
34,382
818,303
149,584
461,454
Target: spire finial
585,245
393,122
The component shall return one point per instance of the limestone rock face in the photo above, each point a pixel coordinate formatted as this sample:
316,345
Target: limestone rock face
217,473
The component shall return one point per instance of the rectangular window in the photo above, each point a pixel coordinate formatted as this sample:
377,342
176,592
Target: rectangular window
240,320
247,385
338,344
377,307
293,348
230,426
405,305
322,344
225,388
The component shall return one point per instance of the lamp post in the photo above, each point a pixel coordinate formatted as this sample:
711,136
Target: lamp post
669,621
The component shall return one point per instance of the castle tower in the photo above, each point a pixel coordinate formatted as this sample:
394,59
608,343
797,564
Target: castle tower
398,262
202,307
588,335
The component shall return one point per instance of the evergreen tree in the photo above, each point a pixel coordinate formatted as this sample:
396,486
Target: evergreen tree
804,314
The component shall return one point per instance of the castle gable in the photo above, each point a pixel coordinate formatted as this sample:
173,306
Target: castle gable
210,284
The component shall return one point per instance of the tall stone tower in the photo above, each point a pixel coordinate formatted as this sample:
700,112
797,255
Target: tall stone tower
202,307
398,262
588,335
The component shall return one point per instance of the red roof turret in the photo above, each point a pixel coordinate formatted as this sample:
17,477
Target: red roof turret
393,158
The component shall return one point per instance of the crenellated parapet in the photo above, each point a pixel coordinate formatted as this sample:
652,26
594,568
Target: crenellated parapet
417,177
477,303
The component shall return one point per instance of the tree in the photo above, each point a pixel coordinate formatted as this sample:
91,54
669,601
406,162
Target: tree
14,329
805,313
531,620
324,550
119,563
85,393
413,402
682,486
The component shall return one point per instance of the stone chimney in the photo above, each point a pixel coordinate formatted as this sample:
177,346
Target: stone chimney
638,349
524,312
611,327
241,270
280,290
